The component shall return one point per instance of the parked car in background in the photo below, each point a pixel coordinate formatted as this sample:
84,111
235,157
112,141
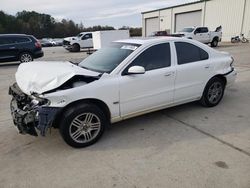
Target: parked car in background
58,42
14,47
75,44
48,42
45,43
159,33
202,34
165,33
126,79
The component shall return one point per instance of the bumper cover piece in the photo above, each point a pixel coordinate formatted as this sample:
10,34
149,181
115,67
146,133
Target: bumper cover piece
28,119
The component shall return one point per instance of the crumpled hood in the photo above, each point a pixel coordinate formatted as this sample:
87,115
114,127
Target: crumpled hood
40,77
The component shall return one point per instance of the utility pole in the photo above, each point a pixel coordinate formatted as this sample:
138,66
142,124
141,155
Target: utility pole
243,17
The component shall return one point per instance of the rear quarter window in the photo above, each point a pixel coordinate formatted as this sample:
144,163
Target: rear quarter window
21,39
189,53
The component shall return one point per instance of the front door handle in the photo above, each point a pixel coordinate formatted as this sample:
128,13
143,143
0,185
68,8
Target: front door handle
13,47
168,74
207,66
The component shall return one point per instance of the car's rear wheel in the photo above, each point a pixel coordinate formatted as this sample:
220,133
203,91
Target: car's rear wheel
213,93
83,125
215,42
25,57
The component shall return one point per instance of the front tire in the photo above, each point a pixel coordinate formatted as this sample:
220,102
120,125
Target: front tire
213,93
25,57
76,48
83,125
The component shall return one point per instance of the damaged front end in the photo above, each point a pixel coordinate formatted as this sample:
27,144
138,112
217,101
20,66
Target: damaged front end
31,113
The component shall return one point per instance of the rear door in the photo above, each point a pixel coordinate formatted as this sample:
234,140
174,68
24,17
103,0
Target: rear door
193,71
153,89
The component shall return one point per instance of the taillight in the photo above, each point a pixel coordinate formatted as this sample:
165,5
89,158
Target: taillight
38,44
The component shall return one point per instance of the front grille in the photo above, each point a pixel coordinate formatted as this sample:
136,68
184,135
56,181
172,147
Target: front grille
66,43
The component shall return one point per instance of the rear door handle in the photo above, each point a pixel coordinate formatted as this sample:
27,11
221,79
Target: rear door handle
207,66
13,47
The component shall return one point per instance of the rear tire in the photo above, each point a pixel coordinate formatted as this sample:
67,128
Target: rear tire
244,40
213,92
25,57
215,42
82,125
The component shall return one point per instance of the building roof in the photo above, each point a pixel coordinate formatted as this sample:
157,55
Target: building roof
180,5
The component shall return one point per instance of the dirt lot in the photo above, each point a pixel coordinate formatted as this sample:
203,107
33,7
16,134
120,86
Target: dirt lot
185,146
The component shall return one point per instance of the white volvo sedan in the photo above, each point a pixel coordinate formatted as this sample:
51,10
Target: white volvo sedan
126,79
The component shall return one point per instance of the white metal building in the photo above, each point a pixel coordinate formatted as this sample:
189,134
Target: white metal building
232,15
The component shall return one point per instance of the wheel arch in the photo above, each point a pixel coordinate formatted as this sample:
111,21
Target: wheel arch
25,51
220,76
216,38
99,103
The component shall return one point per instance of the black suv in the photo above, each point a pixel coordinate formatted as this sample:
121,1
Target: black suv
14,47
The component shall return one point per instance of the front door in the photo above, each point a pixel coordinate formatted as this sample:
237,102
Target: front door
86,41
153,89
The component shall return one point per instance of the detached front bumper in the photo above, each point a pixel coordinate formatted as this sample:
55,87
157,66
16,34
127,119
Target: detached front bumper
30,118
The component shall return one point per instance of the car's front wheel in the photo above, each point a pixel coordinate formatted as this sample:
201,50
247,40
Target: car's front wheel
213,93
82,125
25,57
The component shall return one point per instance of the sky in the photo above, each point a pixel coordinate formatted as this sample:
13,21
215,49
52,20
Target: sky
91,12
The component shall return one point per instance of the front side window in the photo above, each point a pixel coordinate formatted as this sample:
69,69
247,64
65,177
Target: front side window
155,57
198,30
87,36
188,53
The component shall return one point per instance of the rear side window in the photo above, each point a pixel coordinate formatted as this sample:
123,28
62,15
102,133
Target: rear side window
5,41
155,57
189,53
21,39
204,30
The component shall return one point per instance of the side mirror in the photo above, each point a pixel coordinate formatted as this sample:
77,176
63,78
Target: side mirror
136,70
195,32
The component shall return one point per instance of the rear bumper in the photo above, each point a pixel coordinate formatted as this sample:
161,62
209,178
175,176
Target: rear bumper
38,54
231,77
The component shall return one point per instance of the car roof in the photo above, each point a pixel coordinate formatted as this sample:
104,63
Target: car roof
149,40
14,35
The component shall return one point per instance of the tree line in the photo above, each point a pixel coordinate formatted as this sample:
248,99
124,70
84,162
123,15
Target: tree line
45,26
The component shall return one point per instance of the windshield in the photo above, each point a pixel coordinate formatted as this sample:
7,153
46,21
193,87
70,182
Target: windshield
107,59
79,35
187,30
